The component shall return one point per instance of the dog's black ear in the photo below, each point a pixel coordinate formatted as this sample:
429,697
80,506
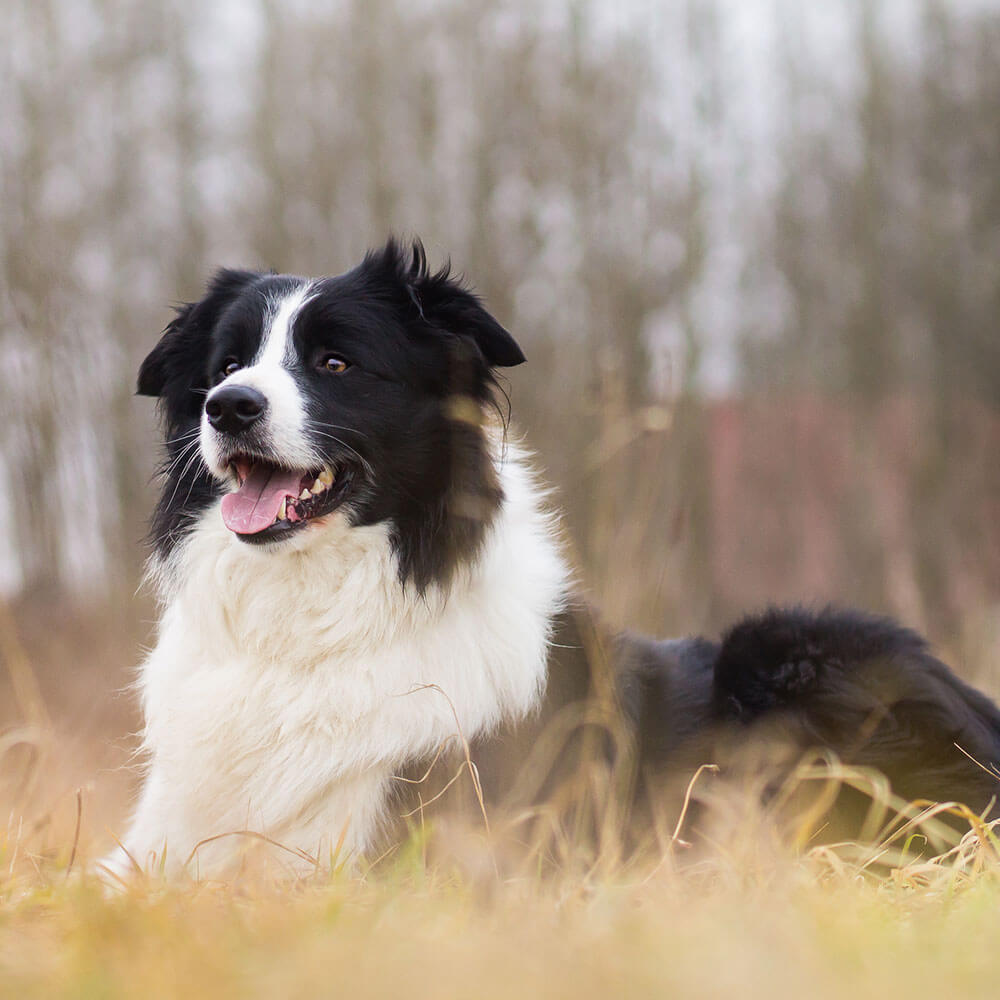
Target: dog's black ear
444,302
193,322
460,311
153,370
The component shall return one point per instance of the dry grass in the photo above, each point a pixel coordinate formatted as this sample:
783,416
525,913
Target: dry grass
810,926
912,913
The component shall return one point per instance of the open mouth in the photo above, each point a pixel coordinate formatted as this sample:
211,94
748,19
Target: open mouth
271,502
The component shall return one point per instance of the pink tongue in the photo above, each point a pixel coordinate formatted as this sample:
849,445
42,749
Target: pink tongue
254,506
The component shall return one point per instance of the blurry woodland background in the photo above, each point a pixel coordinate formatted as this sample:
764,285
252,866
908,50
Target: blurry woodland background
751,249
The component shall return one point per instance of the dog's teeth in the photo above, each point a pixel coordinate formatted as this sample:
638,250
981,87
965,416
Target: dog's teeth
282,508
305,495
318,487
326,477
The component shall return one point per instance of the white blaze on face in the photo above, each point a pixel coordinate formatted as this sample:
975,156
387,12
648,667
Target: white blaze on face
284,427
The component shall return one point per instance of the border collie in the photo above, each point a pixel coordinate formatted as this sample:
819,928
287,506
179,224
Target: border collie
356,564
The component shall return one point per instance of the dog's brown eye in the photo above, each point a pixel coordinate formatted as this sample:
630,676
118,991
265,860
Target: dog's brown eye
229,366
333,364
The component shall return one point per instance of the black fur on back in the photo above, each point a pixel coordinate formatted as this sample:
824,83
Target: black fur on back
779,685
867,688
859,685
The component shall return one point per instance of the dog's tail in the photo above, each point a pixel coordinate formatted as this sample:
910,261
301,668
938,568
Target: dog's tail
869,690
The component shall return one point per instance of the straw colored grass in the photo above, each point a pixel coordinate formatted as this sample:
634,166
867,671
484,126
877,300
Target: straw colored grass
912,912
749,918
798,929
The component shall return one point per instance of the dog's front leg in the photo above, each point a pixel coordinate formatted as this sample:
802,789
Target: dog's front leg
154,843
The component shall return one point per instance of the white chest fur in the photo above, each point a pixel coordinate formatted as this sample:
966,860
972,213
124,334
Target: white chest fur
287,687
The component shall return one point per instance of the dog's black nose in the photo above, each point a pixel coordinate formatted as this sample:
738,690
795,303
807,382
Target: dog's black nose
234,408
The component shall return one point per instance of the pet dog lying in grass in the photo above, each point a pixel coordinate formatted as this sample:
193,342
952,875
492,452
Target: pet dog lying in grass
356,565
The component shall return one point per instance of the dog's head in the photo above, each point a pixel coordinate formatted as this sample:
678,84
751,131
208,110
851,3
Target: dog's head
360,396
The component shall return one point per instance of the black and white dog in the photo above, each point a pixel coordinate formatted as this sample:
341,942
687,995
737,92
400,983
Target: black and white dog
355,563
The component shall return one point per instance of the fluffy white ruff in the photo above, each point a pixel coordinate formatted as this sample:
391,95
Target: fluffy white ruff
287,687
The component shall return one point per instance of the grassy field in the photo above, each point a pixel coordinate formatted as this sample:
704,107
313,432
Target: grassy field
789,927
749,918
